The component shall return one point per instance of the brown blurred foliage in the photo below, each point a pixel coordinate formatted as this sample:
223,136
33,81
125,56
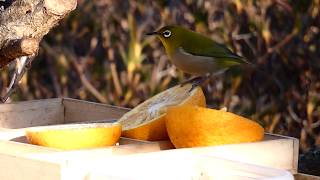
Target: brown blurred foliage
100,53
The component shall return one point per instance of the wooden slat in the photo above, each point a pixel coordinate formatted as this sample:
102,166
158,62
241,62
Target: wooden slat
22,149
31,113
275,151
82,160
16,164
179,164
29,105
78,111
14,167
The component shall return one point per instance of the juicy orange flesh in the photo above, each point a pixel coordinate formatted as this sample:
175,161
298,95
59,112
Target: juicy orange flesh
156,106
190,126
69,137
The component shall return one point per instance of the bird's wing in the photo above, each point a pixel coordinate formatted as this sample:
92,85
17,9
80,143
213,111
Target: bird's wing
210,48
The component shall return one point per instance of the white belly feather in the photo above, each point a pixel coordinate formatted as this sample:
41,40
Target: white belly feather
196,65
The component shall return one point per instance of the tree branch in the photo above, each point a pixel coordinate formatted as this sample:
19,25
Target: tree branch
24,23
18,48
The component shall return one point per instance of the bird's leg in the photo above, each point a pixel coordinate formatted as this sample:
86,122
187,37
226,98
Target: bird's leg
192,80
196,81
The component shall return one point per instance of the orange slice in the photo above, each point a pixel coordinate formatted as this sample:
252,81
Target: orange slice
75,136
146,121
191,126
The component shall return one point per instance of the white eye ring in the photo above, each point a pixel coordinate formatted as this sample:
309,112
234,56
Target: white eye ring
166,33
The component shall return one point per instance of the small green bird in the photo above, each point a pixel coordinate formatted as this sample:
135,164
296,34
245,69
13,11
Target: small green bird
196,54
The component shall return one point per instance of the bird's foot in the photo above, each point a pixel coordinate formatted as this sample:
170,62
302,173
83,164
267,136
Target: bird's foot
196,81
192,80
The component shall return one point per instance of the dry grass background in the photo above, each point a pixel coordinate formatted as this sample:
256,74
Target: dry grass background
100,53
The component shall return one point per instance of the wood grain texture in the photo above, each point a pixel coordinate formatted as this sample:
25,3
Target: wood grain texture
79,111
16,164
274,151
17,168
31,113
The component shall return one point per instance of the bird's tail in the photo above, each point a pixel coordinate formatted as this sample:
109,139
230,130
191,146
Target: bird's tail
268,75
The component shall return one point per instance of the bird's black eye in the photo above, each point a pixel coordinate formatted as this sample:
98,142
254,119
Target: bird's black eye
166,33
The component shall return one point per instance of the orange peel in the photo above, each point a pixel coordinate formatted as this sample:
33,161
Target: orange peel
192,126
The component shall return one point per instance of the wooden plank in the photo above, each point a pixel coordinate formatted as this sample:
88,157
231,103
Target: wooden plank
71,162
78,164
19,161
31,113
13,167
22,149
179,164
37,162
27,105
15,163
79,111
260,153
275,151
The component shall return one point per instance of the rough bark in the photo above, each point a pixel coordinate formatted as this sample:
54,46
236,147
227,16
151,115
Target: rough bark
24,23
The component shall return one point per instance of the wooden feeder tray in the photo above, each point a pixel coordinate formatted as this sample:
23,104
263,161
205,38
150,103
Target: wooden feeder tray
20,160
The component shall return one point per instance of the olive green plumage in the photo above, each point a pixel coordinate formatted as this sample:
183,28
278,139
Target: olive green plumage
194,53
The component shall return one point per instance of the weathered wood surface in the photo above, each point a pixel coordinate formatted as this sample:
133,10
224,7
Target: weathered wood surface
31,113
179,164
80,163
55,111
274,151
15,163
79,111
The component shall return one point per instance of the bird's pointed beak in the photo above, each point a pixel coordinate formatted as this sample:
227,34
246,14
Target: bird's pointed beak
152,33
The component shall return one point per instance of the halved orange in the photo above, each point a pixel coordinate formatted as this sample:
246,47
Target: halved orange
146,121
192,126
75,136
